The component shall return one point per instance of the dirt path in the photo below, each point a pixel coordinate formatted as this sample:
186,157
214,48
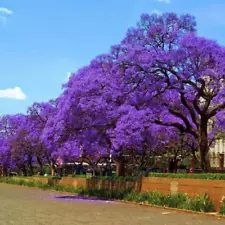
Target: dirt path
30,206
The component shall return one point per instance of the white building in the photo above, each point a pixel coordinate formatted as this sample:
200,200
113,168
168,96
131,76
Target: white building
215,151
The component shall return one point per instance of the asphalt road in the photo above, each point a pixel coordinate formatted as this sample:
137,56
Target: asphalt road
30,206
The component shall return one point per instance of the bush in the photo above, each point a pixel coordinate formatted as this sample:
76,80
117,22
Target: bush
222,206
109,178
80,176
203,176
201,204
115,178
136,197
49,177
156,198
176,201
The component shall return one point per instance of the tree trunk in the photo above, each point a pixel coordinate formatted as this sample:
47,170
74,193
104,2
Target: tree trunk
41,165
30,166
24,170
120,167
203,146
52,169
41,169
4,171
1,171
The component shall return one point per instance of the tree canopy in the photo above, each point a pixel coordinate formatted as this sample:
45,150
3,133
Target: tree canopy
162,86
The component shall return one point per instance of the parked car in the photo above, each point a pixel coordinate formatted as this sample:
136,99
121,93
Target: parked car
11,174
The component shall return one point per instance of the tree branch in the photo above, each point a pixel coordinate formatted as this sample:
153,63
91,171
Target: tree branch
215,110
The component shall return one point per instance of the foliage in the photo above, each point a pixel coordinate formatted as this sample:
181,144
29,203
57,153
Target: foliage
202,204
203,176
134,197
222,206
115,178
81,176
109,178
177,201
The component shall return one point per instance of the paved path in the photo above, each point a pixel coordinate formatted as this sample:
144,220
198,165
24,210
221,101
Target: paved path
30,206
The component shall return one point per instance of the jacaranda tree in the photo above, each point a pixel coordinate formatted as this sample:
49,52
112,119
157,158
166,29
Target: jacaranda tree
177,74
162,87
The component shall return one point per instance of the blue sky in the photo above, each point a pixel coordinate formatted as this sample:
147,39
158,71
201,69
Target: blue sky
43,40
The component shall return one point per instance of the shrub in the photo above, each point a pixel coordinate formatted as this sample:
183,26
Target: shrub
201,204
156,198
80,176
222,206
115,178
109,178
136,197
203,176
176,201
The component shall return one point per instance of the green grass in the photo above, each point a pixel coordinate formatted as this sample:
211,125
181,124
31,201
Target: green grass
202,203
202,176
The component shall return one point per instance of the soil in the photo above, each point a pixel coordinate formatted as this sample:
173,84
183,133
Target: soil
31,206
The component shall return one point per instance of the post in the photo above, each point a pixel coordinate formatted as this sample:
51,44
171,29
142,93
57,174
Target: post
192,163
1,171
221,161
52,169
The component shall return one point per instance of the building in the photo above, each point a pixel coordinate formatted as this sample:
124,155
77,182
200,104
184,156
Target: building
215,152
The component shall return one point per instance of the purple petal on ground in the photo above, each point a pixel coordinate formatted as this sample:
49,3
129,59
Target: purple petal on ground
81,198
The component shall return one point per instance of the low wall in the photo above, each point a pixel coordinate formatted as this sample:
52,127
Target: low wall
42,180
86,183
99,184
192,187
112,185
74,182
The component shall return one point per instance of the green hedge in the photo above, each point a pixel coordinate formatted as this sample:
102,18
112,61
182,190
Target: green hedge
115,178
202,203
110,178
203,176
48,177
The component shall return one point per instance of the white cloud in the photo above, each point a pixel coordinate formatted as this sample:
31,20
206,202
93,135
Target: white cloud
165,1
69,74
4,13
13,93
155,11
